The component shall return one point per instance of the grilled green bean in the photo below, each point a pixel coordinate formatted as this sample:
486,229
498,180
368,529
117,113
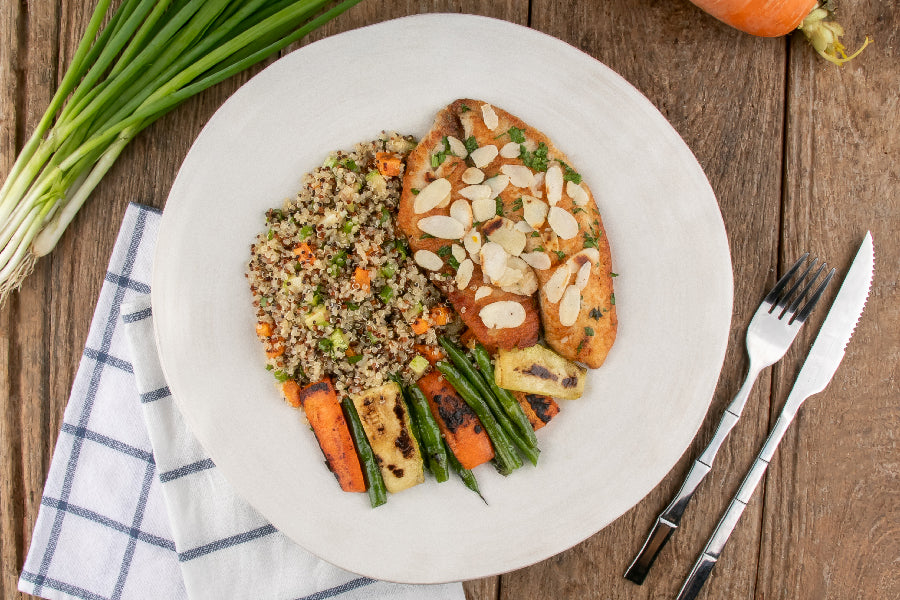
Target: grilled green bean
510,405
504,453
377,490
430,432
467,476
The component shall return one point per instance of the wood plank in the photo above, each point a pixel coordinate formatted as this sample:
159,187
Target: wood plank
699,75
832,513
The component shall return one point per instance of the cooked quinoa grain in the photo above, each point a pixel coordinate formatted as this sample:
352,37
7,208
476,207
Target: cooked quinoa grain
336,291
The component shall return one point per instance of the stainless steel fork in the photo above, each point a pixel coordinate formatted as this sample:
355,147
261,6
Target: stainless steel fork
771,331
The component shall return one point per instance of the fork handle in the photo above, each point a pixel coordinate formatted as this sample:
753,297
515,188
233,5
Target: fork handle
670,517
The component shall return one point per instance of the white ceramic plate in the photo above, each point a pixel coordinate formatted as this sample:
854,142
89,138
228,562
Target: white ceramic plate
604,452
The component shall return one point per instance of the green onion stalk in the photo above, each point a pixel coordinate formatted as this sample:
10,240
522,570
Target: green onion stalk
151,56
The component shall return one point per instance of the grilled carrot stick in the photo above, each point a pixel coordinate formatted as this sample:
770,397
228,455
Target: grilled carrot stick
460,427
323,411
539,409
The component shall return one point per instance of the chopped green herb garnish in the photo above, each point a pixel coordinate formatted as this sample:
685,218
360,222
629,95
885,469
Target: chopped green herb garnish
471,144
577,210
306,231
539,249
611,274
386,293
353,306
569,174
499,203
354,359
348,227
517,203
415,191
535,234
298,267
269,367
537,160
464,109
517,135
426,236
281,376
451,260
438,158
371,337
350,165
560,254
385,216
596,313
270,234
401,248
588,331
612,299
444,251
325,345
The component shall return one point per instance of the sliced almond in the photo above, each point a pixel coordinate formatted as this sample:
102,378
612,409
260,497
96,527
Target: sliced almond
523,283
524,227
428,260
538,260
504,314
483,156
472,243
510,150
476,192
440,226
461,210
497,183
538,185
562,222
553,184
503,231
467,120
509,278
577,260
457,147
493,260
584,274
484,208
431,195
482,292
570,306
520,176
464,273
577,193
472,176
489,116
534,211
557,283
458,252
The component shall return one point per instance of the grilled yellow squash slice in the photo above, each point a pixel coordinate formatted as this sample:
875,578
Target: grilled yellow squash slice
387,425
539,370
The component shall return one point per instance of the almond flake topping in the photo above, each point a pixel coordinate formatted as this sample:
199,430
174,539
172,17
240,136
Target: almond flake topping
562,222
584,274
484,155
524,227
534,211
493,260
510,150
464,273
482,292
520,176
431,196
490,117
570,306
503,231
557,283
461,210
484,208
428,260
577,193
458,252
457,147
518,278
587,255
538,260
472,242
504,314
476,192
553,184
472,176
440,226
497,183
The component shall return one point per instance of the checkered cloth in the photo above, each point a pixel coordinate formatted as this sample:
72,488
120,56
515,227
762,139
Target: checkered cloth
132,506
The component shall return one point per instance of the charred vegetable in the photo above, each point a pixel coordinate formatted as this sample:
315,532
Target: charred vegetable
377,491
539,370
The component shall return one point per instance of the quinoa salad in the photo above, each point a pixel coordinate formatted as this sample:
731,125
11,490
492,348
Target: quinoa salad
336,292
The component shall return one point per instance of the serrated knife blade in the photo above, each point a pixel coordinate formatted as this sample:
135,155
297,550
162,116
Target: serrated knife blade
818,369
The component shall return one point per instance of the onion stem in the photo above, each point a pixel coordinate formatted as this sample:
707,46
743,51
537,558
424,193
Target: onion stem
151,56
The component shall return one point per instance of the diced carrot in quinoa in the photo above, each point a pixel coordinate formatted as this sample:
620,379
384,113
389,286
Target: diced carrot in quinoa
323,411
291,391
263,329
361,276
276,350
420,326
304,253
388,163
458,423
440,315
431,353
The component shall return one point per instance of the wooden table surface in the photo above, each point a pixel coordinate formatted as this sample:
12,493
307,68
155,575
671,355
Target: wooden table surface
802,155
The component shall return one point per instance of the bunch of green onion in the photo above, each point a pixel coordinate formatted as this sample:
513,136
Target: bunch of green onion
151,56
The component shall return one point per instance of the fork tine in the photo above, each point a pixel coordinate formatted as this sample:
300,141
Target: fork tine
808,307
787,297
782,283
802,295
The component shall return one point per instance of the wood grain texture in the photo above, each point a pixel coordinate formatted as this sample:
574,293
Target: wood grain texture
801,155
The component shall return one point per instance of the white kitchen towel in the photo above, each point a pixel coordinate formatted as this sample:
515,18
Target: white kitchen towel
133,507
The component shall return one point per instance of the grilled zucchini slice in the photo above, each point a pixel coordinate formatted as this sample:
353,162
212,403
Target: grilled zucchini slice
387,425
539,370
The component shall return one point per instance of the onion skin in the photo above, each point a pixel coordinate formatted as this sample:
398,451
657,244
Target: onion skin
763,18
